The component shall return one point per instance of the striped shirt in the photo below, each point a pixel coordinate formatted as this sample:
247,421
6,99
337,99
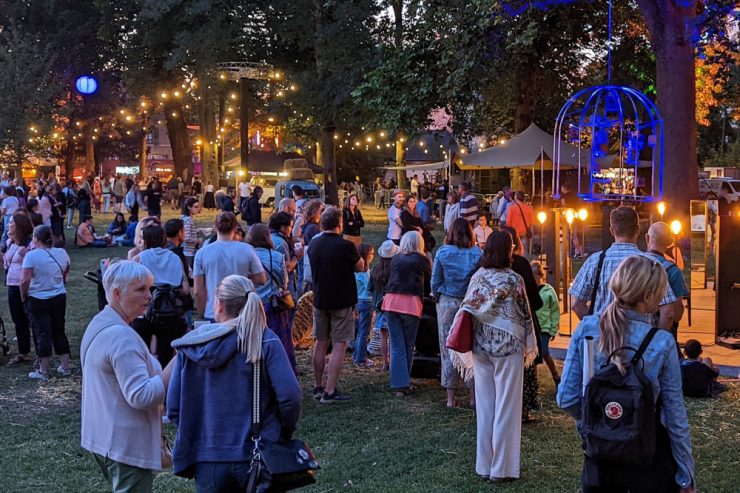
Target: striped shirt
583,284
191,237
469,207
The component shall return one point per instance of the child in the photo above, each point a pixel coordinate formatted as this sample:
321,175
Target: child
364,308
698,374
482,231
379,278
548,316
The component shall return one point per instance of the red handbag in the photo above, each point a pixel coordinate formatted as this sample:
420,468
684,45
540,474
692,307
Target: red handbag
460,338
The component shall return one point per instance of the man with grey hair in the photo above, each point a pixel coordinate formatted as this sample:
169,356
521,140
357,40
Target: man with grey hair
334,261
659,238
123,385
287,205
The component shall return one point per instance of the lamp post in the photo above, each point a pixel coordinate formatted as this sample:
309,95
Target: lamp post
661,209
583,215
542,218
570,216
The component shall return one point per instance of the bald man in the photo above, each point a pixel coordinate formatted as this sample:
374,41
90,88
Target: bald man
659,238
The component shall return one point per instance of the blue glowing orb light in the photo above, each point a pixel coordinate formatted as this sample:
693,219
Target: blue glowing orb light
86,84
618,130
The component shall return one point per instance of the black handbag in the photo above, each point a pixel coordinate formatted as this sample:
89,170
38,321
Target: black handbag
276,466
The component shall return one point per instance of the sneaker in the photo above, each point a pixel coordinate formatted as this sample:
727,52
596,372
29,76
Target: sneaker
37,375
65,373
368,363
318,392
335,397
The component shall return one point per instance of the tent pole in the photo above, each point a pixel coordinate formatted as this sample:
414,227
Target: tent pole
542,177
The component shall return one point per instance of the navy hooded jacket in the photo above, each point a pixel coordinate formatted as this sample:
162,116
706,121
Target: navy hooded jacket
209,398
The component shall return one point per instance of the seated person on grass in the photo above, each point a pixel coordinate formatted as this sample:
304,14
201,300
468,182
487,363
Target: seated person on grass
699,374
86,237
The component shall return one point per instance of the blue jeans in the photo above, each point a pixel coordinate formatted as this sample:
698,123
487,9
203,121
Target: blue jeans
221,477
402,330
362,328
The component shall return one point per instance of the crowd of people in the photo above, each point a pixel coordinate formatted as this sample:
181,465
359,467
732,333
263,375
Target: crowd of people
186,320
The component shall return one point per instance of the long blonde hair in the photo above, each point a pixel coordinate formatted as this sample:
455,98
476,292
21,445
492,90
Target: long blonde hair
637,279
241,302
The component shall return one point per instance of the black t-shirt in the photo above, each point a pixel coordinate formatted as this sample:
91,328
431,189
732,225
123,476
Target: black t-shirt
153,197
333,262
698,379
196,187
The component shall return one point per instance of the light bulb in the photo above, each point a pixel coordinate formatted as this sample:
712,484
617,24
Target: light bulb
582,214
570,215
676,226
542,217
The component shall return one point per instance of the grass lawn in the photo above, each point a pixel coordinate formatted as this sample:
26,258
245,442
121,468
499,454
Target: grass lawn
373,443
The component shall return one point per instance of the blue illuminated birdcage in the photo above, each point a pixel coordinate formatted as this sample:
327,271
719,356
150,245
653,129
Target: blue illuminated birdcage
620,131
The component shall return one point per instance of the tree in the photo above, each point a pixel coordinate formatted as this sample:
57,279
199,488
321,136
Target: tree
325,47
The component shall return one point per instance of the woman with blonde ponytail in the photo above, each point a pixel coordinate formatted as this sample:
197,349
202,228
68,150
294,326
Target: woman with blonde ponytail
638,285
210,395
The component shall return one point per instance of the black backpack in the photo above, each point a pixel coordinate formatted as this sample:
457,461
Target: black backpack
618,421
162,309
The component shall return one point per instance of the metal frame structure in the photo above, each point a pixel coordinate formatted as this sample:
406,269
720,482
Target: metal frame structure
619,125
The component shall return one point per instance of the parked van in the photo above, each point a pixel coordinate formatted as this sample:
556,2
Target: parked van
710,187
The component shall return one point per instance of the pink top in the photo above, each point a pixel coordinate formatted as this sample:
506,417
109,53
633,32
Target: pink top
13,261
403,303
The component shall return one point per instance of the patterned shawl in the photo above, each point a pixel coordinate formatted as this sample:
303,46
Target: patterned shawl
497,299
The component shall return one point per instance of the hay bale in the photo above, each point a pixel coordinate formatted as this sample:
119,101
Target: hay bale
302,329
292,164
301,174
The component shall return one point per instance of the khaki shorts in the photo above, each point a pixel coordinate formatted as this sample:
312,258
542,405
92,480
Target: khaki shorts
335,325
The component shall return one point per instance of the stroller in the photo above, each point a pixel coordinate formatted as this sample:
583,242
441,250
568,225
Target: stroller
5,344
97,278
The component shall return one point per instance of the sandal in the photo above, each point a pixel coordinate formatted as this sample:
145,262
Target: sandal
403,392
17,359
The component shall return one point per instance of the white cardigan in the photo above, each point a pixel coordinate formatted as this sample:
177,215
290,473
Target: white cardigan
121,393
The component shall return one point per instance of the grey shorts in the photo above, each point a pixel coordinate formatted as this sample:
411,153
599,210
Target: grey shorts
334,325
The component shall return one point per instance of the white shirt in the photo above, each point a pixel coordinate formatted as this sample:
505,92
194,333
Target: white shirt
48,266
481,235
394,230
244,190
415,186
224,258
10,204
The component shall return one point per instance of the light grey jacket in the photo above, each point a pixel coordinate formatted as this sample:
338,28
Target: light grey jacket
121,393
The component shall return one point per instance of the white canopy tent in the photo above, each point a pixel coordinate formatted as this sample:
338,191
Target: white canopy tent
413,169
530,148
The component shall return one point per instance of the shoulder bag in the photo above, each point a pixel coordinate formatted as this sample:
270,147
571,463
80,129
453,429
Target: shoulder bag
276,466
460,338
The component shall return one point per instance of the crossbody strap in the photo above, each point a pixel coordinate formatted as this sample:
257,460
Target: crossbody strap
55,260
526,226
644,345
256,408
602,256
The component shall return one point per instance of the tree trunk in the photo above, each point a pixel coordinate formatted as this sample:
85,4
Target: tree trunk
401,178
177,131
89,149
326,154
208,133
526,99
676,88
69,156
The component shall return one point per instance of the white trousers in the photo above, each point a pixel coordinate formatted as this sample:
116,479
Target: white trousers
498,409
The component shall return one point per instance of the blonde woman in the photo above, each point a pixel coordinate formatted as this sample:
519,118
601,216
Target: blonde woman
638,285
409,283
210,395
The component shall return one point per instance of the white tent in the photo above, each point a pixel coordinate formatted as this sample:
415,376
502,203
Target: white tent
532,147
418,167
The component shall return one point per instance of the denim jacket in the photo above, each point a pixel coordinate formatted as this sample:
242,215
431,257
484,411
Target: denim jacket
453,268
661,367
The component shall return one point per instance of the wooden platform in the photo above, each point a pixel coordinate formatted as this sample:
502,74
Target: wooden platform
702,329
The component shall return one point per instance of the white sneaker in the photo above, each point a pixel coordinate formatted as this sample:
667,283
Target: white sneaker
63,372
37,375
